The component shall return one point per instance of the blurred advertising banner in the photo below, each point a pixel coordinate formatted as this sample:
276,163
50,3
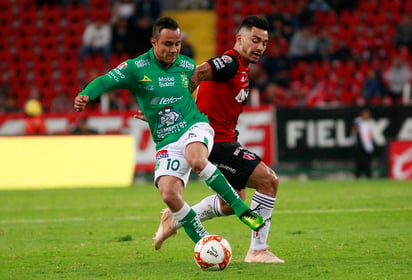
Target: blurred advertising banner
256,131
326,133
400,160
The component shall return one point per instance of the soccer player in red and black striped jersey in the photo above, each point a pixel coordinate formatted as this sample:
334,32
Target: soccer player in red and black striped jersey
223,91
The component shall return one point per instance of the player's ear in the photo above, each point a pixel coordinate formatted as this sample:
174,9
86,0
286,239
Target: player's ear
238,38
153,41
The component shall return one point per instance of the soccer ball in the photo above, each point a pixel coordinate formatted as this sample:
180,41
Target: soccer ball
212,252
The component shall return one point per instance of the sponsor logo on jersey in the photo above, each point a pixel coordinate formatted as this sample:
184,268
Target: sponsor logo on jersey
186,64
142,63
165,100
122,65
219,63
145,79
242,95
162,154
115,74
166,81
120,74
169,100
148,87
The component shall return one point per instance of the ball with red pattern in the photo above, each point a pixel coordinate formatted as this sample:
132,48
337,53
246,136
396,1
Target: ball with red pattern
212,252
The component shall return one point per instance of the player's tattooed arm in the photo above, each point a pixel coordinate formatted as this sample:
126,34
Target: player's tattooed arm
203,72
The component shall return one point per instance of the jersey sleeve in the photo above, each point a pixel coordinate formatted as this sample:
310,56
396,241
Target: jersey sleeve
223,67
117,78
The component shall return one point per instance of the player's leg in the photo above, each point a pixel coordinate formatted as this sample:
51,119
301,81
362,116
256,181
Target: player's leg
171,190
171,176
266,183
244,168
196,155
198,141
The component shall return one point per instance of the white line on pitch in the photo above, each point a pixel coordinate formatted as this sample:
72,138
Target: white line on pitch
70,219
133,218
355,210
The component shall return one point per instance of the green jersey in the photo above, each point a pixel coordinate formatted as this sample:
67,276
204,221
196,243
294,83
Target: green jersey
162,93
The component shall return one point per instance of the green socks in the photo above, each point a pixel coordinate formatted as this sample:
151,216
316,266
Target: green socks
218,183
190,221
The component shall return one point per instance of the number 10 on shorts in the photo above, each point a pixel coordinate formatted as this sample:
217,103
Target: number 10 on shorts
172,164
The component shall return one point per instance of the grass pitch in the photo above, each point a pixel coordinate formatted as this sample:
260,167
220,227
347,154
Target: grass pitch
323,230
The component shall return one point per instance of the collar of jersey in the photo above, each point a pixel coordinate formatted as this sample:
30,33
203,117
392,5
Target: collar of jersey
153,57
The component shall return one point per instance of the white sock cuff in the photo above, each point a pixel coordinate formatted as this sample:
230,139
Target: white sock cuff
216,206
264,200
179,215
207,171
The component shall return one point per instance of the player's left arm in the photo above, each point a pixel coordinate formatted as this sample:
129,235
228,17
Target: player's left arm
219,68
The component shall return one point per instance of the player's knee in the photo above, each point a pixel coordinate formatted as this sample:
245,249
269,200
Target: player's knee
197,164
171,199
269,184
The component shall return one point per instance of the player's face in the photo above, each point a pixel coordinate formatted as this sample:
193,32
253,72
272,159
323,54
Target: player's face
167,46
252,44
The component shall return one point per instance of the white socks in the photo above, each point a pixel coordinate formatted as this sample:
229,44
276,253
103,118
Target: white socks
264,206
207,208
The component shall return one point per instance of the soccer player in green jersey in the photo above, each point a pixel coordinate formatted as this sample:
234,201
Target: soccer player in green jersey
159,79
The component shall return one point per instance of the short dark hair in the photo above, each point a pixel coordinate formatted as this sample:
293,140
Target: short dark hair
254,21
162,23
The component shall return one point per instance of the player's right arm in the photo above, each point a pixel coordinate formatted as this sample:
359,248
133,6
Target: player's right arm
117,78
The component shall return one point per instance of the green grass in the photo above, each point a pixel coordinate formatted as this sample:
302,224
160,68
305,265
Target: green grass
323,230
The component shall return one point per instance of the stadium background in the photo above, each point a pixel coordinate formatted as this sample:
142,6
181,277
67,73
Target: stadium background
39,50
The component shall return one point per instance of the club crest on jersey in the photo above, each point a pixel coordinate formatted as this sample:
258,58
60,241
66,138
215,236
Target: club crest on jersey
162,154
249,156
185,80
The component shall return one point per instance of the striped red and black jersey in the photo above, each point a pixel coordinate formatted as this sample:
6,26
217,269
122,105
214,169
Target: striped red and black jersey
222,101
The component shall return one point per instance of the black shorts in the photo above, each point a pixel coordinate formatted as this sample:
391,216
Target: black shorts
235,162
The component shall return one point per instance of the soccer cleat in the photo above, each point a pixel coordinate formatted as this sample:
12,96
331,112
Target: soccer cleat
262,256
166,228
252,220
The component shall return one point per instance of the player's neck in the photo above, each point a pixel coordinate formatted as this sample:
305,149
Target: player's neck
245,61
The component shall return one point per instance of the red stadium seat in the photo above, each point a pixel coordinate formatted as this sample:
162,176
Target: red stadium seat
51,14
76,14
28,17
249,7
369,5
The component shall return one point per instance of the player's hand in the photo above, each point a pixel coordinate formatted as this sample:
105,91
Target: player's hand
139,115
80,102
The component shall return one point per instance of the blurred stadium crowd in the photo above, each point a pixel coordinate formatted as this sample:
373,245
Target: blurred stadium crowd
322,53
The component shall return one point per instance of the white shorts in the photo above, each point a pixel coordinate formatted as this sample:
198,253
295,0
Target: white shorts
170,160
